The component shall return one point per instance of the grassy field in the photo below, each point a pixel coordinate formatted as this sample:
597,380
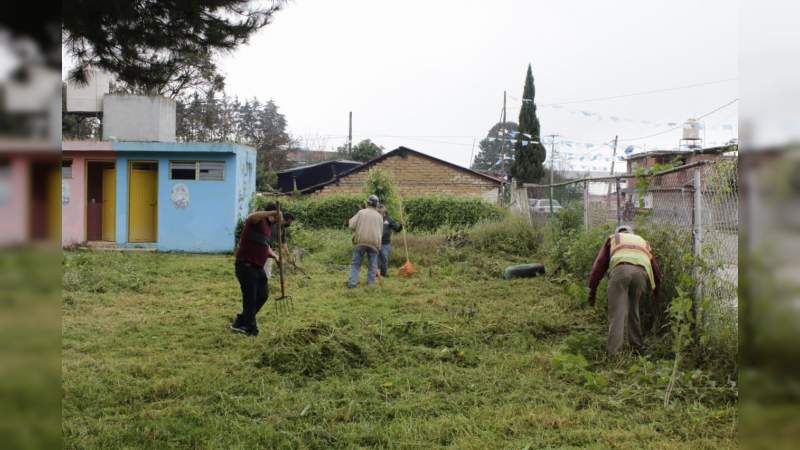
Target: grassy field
454,358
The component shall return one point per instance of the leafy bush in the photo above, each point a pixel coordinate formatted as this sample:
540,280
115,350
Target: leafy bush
380,182
575,250
511,236
672,247
568,218
320,212
426,214
431,213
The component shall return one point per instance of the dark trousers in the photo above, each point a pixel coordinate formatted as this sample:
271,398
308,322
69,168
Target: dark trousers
253,282
383,258
627,285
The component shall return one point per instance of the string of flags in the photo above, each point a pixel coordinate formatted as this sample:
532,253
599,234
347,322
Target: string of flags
511,135
621,119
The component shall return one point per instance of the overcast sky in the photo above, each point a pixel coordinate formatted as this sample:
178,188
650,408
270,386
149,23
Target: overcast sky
434,72
430,75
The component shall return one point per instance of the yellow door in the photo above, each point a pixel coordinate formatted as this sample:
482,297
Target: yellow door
109,204
54,205
142,202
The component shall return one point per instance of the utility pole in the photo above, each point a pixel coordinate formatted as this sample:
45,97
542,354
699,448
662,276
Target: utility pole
613,158
350,137
614,155
503,142
472,153
552,158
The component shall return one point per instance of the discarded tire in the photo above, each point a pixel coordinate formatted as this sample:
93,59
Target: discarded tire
523,271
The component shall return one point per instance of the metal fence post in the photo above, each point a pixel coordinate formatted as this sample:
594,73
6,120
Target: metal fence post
697,238
586,205
619,202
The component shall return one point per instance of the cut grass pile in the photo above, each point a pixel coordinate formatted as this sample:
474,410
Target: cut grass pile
452,358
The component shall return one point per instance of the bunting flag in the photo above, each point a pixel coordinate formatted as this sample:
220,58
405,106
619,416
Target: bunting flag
649,123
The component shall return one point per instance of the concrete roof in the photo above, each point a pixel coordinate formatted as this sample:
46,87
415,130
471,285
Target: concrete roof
178,147
159,147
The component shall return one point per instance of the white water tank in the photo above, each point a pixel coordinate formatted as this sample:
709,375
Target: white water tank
138,118
691,130
88,97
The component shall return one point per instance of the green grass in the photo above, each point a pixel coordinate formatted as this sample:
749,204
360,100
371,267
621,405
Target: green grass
454,358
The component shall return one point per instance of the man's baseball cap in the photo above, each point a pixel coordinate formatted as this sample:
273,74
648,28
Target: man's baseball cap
373,200
624,229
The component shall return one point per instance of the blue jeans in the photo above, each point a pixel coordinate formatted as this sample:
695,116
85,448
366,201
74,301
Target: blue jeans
383,258
355,267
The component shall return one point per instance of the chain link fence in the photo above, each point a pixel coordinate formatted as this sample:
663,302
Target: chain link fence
700,199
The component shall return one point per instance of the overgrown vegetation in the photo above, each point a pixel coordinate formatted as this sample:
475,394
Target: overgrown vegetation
380,182
571,251
455,357
423,214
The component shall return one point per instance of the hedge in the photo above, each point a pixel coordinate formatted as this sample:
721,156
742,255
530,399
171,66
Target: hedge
421,213
431,213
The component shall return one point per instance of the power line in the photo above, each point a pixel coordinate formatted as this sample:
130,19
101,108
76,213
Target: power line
681,126
634,94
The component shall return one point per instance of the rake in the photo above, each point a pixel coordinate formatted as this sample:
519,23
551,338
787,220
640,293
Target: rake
283,303
408,269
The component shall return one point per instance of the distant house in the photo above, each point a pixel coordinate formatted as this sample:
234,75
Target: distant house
305,177
651,158
671,189
164,195
415,173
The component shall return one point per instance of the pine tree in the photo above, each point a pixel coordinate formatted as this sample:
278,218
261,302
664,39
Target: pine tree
529,153
488,157
159,47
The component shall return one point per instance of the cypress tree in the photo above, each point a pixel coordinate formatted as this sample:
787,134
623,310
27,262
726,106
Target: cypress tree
529,153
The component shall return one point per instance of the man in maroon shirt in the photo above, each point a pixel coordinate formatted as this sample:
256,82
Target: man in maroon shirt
632,270
253,252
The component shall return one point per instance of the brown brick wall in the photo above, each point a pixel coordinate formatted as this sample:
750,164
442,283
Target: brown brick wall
415,175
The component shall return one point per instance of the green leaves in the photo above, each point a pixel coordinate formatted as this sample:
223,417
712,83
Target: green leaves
432,213
426,214
380,182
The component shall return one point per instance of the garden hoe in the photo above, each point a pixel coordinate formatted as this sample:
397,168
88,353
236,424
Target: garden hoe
284,302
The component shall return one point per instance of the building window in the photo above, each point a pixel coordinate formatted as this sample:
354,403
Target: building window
66,168
183,170
197,170
211,170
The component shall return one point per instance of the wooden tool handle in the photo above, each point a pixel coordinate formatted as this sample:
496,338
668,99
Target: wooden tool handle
280,248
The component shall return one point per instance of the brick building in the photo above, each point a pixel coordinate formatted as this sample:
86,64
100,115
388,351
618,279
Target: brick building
670,190
415,173
682,157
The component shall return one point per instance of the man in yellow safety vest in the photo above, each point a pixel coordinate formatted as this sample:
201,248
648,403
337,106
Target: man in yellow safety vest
633,271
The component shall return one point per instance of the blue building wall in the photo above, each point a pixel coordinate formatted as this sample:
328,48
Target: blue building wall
208,221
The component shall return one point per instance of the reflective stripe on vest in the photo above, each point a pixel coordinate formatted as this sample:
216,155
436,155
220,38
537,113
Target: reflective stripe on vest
632,249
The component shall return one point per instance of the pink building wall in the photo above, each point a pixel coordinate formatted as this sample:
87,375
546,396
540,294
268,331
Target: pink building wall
73,190
14,209
73,203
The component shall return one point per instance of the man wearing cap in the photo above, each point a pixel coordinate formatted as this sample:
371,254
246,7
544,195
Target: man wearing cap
633,271
367,226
